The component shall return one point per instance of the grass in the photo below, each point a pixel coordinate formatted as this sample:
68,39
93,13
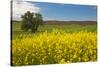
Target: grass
16,28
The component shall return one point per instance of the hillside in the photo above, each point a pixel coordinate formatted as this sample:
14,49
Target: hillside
70,22
55,22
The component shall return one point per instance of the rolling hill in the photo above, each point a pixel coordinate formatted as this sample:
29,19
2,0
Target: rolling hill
54,22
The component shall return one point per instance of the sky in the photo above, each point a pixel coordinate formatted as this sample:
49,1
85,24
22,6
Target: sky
55,11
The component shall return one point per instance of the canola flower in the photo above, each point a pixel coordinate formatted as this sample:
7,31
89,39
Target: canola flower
56,47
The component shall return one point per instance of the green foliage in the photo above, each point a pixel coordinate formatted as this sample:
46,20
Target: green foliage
31,21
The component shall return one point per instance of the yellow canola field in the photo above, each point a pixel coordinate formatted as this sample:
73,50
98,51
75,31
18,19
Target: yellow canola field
56,47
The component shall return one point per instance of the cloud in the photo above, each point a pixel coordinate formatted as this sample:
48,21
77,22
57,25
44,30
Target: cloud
20,7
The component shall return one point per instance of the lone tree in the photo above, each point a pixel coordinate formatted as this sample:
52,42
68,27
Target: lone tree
31,21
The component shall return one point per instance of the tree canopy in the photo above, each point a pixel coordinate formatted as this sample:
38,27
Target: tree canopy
31,21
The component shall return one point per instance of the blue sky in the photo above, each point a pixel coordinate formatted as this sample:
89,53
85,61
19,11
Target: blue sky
56,11
67,12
